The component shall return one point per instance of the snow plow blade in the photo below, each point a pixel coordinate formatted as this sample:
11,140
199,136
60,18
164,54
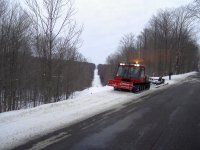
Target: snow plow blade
120,85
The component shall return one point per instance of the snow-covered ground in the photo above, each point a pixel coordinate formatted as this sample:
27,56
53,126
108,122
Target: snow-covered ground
18,127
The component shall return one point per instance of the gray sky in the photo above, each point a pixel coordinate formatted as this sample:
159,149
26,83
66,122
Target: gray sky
106,21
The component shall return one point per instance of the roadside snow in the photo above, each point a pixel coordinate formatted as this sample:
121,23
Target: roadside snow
96,81
96,88
18,127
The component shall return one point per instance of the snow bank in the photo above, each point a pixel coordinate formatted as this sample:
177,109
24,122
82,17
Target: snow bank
176,78
18,127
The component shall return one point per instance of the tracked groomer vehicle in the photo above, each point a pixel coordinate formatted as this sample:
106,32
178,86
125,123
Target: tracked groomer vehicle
130,76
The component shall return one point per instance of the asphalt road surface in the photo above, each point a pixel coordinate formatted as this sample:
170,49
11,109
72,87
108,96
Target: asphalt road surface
165,120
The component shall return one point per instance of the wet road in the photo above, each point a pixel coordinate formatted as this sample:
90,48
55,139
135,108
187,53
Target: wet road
165,120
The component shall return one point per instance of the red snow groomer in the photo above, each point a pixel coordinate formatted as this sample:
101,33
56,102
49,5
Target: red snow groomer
130,76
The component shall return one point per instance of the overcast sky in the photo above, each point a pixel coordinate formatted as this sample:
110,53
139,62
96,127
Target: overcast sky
106,21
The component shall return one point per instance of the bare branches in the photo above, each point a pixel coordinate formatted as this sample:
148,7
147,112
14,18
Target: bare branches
39,58
194,9
52,15
167,44
54,24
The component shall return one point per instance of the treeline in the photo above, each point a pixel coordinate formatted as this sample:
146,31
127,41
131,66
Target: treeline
39,58
167,45
105,72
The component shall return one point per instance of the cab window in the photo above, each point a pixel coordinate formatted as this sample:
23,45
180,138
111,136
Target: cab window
142,75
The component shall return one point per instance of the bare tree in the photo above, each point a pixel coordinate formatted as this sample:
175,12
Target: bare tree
39,58
14,37
183,25
53,18
167,44
194,9
127,47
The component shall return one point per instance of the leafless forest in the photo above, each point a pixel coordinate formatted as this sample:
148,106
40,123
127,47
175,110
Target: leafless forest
39,58
40,62
168,44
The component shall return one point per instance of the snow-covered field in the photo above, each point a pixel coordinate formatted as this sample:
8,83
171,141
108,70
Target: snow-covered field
18,127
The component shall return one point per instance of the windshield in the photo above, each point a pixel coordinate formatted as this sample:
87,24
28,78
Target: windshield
128,72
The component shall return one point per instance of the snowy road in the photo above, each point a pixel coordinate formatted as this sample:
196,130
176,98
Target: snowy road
19,127
167,119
